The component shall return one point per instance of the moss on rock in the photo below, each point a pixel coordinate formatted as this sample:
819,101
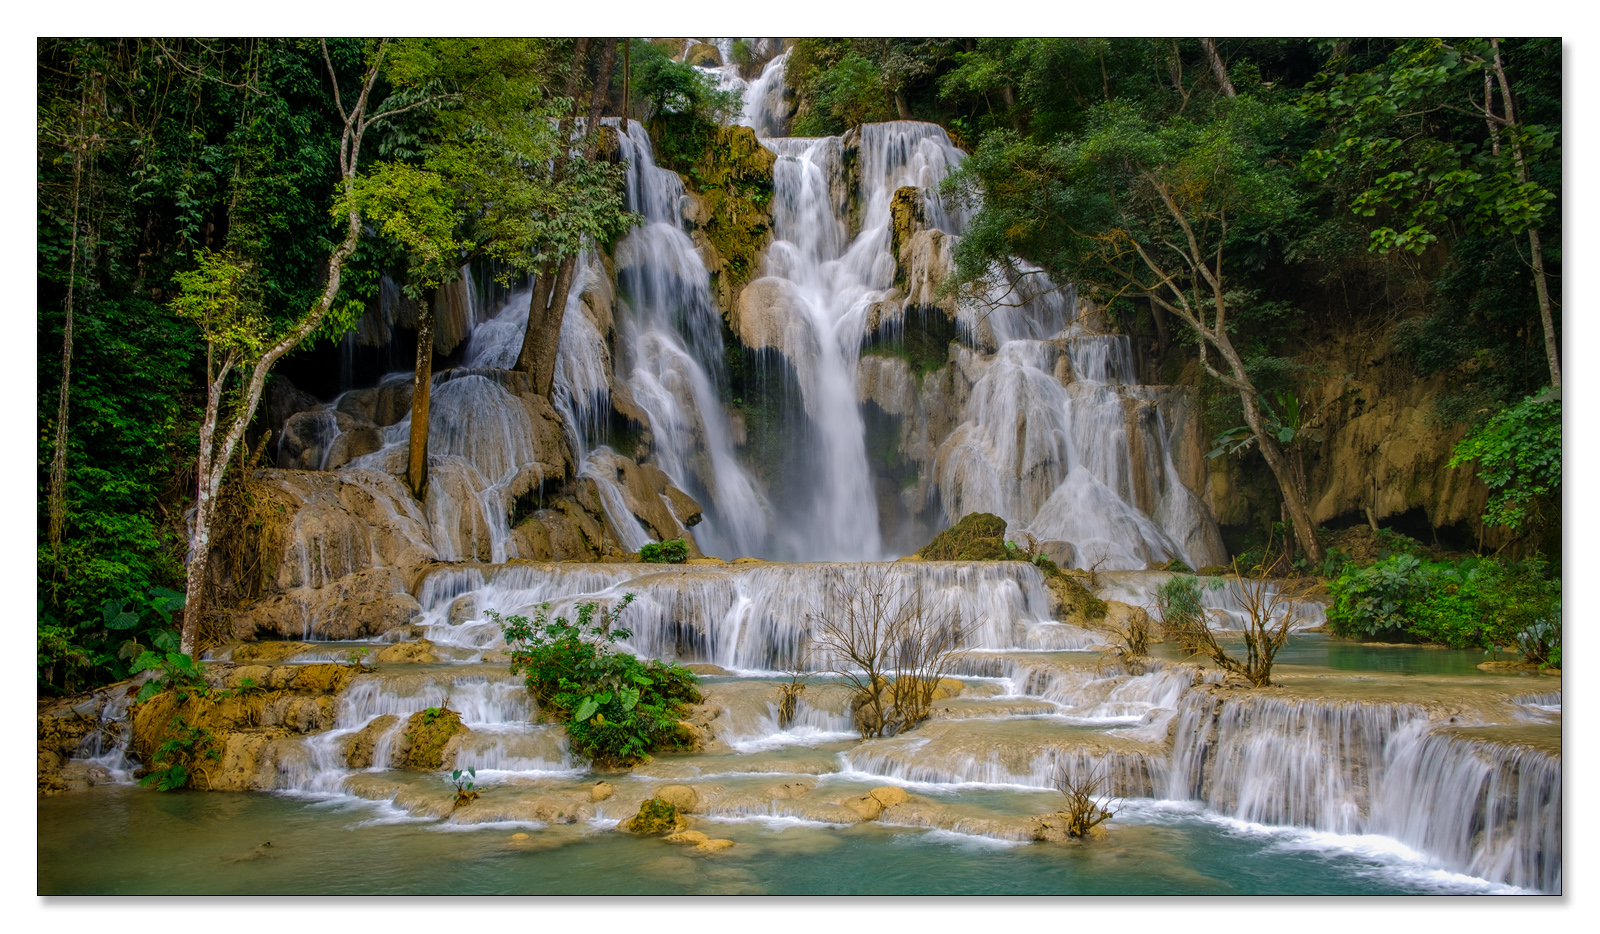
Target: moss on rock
979,536
730,172
655,817
427,732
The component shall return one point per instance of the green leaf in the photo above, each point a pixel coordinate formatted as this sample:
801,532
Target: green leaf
586,709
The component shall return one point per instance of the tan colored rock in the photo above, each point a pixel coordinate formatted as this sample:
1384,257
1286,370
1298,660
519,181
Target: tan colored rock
359,747
419,652
359,605
601,791
712,846
703,54
519,836
266,652
703,668
686,838
866,807
682,797
767,315
889,795
947,688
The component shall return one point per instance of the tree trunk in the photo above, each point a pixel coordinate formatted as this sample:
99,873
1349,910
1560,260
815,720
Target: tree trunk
1217,68
543,345
212,463
901,108
1551,348
1294,497
421,392
58,458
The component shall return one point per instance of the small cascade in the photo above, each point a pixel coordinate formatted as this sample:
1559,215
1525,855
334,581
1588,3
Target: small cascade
1489,809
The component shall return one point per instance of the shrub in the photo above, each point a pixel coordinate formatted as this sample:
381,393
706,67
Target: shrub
672,551
1470,603
184,751
616,708
1519,458
1271,610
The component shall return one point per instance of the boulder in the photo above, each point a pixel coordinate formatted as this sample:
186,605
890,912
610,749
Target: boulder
889,795
419,652
426,742
766,313
360,746
866,807
703,54
712,846
601,791
683,798
686,838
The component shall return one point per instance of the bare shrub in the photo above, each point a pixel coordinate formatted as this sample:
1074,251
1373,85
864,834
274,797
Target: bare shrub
1087,806
1271,610
889,642
790,691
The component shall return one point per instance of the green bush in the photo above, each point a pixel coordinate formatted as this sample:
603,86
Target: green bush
671,551
1470,603
616,708
1519,458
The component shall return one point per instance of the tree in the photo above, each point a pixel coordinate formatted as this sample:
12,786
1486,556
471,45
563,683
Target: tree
1150,205
1392,135
217,296
874,625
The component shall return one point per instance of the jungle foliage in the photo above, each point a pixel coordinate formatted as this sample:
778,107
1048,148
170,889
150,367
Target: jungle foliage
616,708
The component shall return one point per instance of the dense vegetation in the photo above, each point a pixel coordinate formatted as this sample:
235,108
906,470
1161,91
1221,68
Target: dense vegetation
1378,186
616,709
1328,186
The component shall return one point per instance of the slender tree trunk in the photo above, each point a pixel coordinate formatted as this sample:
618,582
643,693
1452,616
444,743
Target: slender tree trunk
541,346
1217,68
211,461
421,393
627,81
1540,285
1294,496
58,459
1551,348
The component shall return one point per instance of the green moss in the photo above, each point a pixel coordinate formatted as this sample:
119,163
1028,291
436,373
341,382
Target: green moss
732,173
655,817
427,732
979,536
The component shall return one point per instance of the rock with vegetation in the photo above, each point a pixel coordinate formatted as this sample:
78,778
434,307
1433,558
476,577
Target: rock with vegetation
426,742
978,536
656,817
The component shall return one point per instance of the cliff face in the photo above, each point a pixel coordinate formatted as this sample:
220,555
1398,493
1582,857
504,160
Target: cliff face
1383,447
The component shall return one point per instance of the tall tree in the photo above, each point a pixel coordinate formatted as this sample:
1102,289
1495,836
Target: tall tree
241,341
1395,135
1149,204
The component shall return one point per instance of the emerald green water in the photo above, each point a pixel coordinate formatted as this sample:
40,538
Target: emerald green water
118,840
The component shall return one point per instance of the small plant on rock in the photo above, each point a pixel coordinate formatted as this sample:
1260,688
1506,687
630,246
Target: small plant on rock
177,758
1271,610
466,789
1087,805
177,671
672,551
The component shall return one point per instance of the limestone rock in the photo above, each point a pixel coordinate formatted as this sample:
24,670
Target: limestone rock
889,795
866,807
359,748
767,315
266,651
601,791
419,652
703,54
361,605
683,798
686,838
712,846
422,745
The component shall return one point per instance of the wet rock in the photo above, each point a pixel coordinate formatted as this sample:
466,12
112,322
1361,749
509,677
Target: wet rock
419,652
704,668
600,791
655,817
686,838
272,651
703,54
712,846
361,605
866,807
683,798
424,744
889,795
359,748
